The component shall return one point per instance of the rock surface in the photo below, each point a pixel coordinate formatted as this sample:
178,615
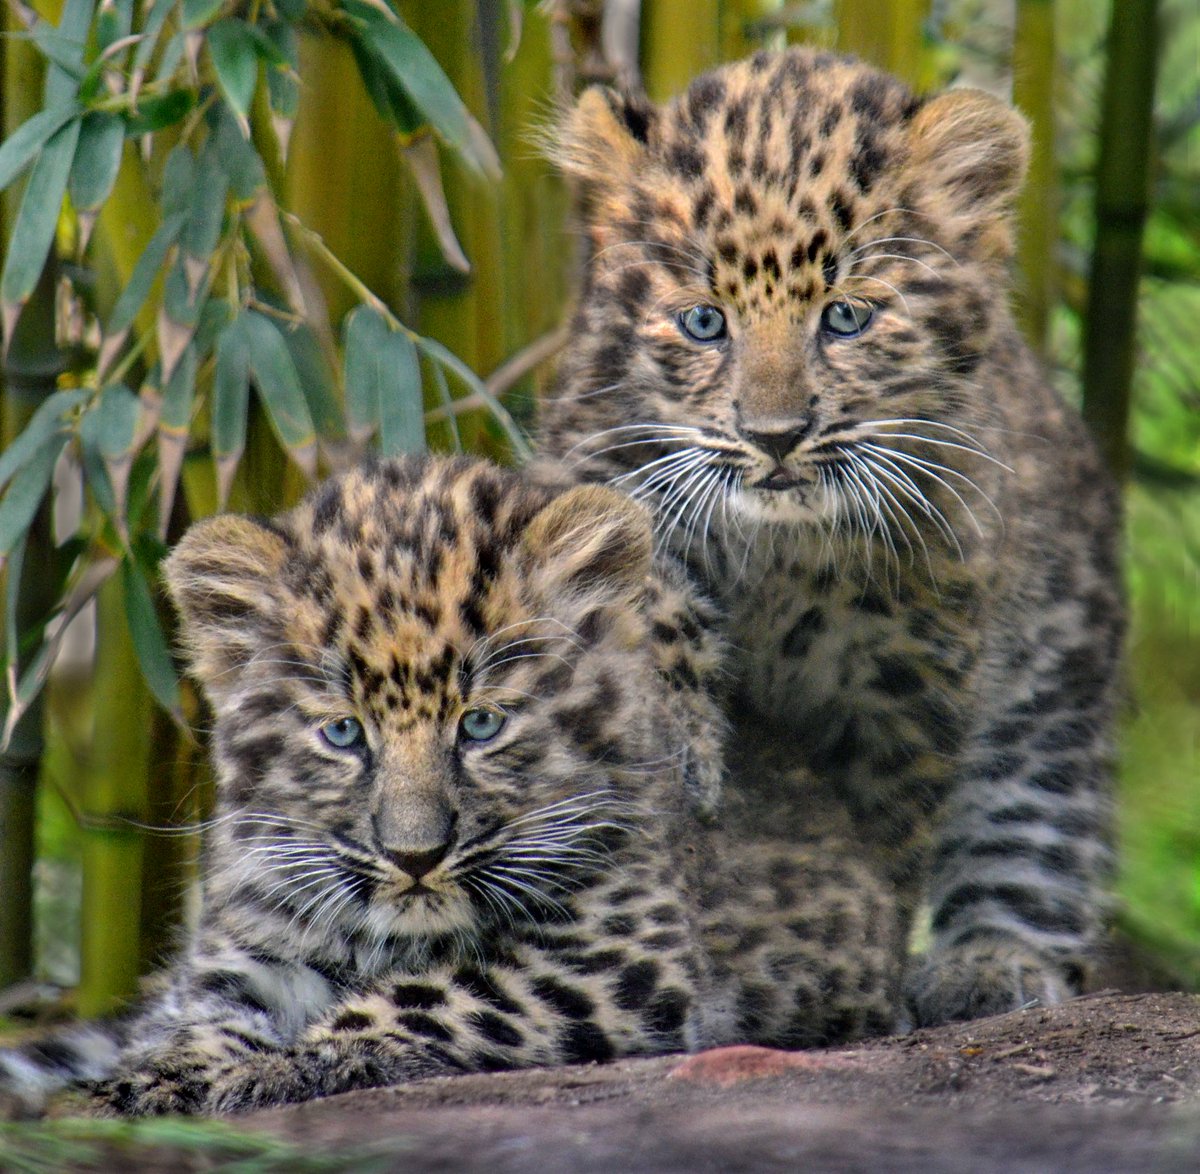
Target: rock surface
1105,1083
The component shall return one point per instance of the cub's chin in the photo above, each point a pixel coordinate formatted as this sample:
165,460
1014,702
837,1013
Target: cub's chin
784,499
421,914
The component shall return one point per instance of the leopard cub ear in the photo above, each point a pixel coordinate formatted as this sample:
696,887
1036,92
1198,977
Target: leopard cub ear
602,140
591,540
222,577
971,150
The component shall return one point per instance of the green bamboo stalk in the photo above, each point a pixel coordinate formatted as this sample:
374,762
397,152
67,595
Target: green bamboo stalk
463,311
30,368
338,135
1122,197
680,39
113,801
888,35
1034,70
533,199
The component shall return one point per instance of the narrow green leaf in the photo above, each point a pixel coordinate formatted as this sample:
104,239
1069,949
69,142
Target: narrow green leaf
152,28
94,469
47,420
25,492
235,59
417,72
155,113
401,411
179,175
230,404
215,315
199,12
386,96
171,56
183,293
113,21
206,209
283,85
317,380
33,232
12,594
174,424
237,155
62,78
278,384
439,354
117,413
97,159
364,332
148,640
175,415
135,293
19,149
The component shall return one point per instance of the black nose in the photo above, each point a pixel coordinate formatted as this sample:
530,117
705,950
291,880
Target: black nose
778,443
417,864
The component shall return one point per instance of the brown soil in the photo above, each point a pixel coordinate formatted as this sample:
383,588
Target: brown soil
1105,1083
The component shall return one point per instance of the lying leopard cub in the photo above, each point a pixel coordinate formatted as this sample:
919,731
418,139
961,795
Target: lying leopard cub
461,825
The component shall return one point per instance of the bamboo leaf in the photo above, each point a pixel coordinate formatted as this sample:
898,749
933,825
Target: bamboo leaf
479,393
317,381
156,113
199,12
148,640
47,420
238,158
235,58
33,231
113,21
25,492
97,159
283,85
422,159
401,411
364,332
62,78
230,405
418,74
179,175
151,30
279,386
116,425
12,596
206,208
20,148
174,424
94,468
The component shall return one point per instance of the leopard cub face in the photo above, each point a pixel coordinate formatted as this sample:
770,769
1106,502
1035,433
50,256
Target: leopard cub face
426,680
793,271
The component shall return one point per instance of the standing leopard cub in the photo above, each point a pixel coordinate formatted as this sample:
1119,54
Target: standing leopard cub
793,342
466,757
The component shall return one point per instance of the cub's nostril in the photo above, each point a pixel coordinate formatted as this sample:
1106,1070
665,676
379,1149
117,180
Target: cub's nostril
418,864
777,444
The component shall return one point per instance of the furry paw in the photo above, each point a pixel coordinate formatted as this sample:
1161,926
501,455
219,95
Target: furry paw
984,978
154,1094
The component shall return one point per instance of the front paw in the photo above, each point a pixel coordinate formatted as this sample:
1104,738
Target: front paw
984,978
154,1094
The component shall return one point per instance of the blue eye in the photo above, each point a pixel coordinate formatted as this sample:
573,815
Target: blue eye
846,319
344,734
480,725
703,323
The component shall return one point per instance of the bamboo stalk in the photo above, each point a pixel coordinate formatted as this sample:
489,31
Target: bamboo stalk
888,35
30,369
535,256
1034,69
113,801
463,311
680,39
1122,198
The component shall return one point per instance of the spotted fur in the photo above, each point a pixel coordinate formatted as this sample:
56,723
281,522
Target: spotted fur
793,342
467,749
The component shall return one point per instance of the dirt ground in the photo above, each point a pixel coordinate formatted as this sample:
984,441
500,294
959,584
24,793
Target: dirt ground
1108,1082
